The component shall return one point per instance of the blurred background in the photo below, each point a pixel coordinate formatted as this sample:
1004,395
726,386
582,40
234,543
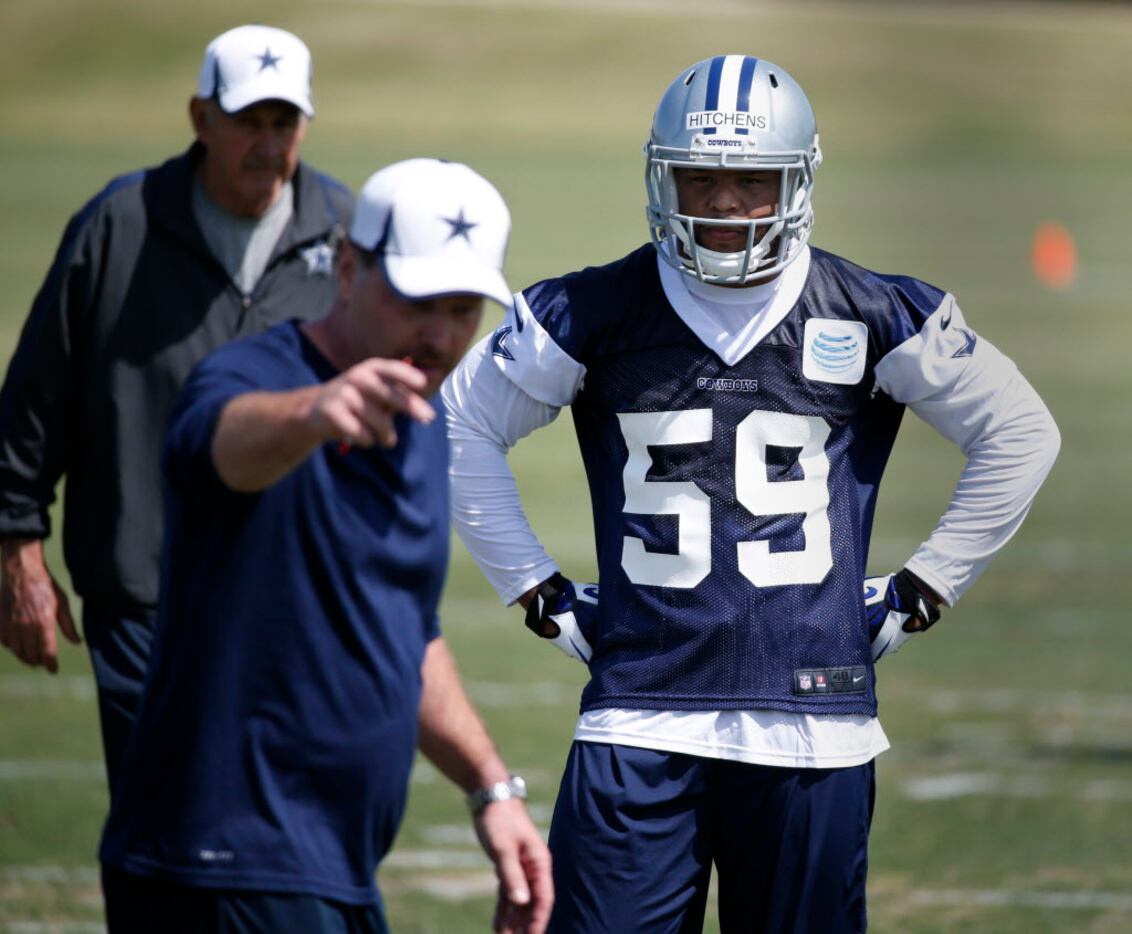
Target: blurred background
984,147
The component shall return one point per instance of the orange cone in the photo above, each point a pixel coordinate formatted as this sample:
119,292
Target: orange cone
1053,256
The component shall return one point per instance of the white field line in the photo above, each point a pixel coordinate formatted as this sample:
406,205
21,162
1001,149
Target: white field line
1014,701
553,693
443,878
928,788
20,770
43,686
479,885
435,860
1003,898
21,687
50,875
541,693
969,784
55,927
449,835
456,888
995,785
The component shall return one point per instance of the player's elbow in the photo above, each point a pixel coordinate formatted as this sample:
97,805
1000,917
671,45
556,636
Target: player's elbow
1036,443
1049,443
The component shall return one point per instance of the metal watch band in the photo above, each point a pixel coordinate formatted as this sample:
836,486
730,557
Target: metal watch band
514,787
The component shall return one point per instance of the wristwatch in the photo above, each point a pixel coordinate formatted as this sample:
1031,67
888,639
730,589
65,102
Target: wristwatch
514,787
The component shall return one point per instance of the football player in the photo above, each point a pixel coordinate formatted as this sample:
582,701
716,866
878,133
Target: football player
736,393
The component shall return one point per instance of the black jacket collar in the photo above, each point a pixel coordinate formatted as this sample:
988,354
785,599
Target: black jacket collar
167,192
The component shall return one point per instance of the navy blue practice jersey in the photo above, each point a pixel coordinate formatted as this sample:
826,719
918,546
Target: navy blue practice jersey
732,504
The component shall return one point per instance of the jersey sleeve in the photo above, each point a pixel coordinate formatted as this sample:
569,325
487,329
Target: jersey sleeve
488,413
974,396
540,344
187,450
37,402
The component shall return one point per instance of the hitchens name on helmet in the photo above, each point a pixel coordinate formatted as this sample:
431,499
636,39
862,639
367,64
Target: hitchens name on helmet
708,118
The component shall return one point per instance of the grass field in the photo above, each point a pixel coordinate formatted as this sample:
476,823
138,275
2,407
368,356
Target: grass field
950,132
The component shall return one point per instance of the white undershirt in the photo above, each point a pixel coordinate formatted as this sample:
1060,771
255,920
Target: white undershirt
992,414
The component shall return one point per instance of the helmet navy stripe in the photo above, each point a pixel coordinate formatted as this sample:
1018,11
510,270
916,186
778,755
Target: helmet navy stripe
715,72
746,79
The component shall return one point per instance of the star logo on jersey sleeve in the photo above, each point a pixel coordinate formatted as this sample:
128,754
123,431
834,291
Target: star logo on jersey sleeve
968,348
497,343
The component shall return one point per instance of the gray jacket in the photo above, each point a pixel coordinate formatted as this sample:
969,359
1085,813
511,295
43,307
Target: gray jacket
132,301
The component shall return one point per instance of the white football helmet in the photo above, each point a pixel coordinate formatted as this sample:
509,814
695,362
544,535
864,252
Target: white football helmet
733,112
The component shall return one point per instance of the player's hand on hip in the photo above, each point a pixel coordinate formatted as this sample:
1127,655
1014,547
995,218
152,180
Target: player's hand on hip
565,614
358,407
897,607
522,865
31,604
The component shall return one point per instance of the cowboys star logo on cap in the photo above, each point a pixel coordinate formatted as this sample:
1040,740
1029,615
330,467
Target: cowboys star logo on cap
267,60
250,64
460,227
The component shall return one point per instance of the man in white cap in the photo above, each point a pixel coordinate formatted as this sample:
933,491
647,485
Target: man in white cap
297,660
158,269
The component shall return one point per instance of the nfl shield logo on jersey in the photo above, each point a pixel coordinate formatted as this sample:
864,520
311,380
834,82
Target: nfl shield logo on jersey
835,351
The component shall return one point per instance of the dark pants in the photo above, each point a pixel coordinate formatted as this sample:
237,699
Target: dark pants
635,833
137,905
119,642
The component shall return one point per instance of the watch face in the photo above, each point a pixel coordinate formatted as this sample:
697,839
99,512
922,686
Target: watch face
515,787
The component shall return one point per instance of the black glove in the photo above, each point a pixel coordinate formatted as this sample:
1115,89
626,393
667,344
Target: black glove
565,616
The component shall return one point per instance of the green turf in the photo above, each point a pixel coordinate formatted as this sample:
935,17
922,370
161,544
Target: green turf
950,131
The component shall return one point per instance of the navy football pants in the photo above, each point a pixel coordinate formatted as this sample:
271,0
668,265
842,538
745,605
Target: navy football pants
136,905
635,833
119,643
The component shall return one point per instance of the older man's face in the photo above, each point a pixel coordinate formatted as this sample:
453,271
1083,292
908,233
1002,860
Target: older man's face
250,155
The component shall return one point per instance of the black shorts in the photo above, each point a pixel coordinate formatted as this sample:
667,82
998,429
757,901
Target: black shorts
138,905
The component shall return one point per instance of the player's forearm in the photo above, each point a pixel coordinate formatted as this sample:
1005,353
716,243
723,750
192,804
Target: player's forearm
487,414
488,515
452,735
260,437
1005,468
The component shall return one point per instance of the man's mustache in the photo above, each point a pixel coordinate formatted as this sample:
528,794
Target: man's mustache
259,165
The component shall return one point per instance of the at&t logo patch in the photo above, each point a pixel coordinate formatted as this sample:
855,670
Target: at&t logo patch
835,351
